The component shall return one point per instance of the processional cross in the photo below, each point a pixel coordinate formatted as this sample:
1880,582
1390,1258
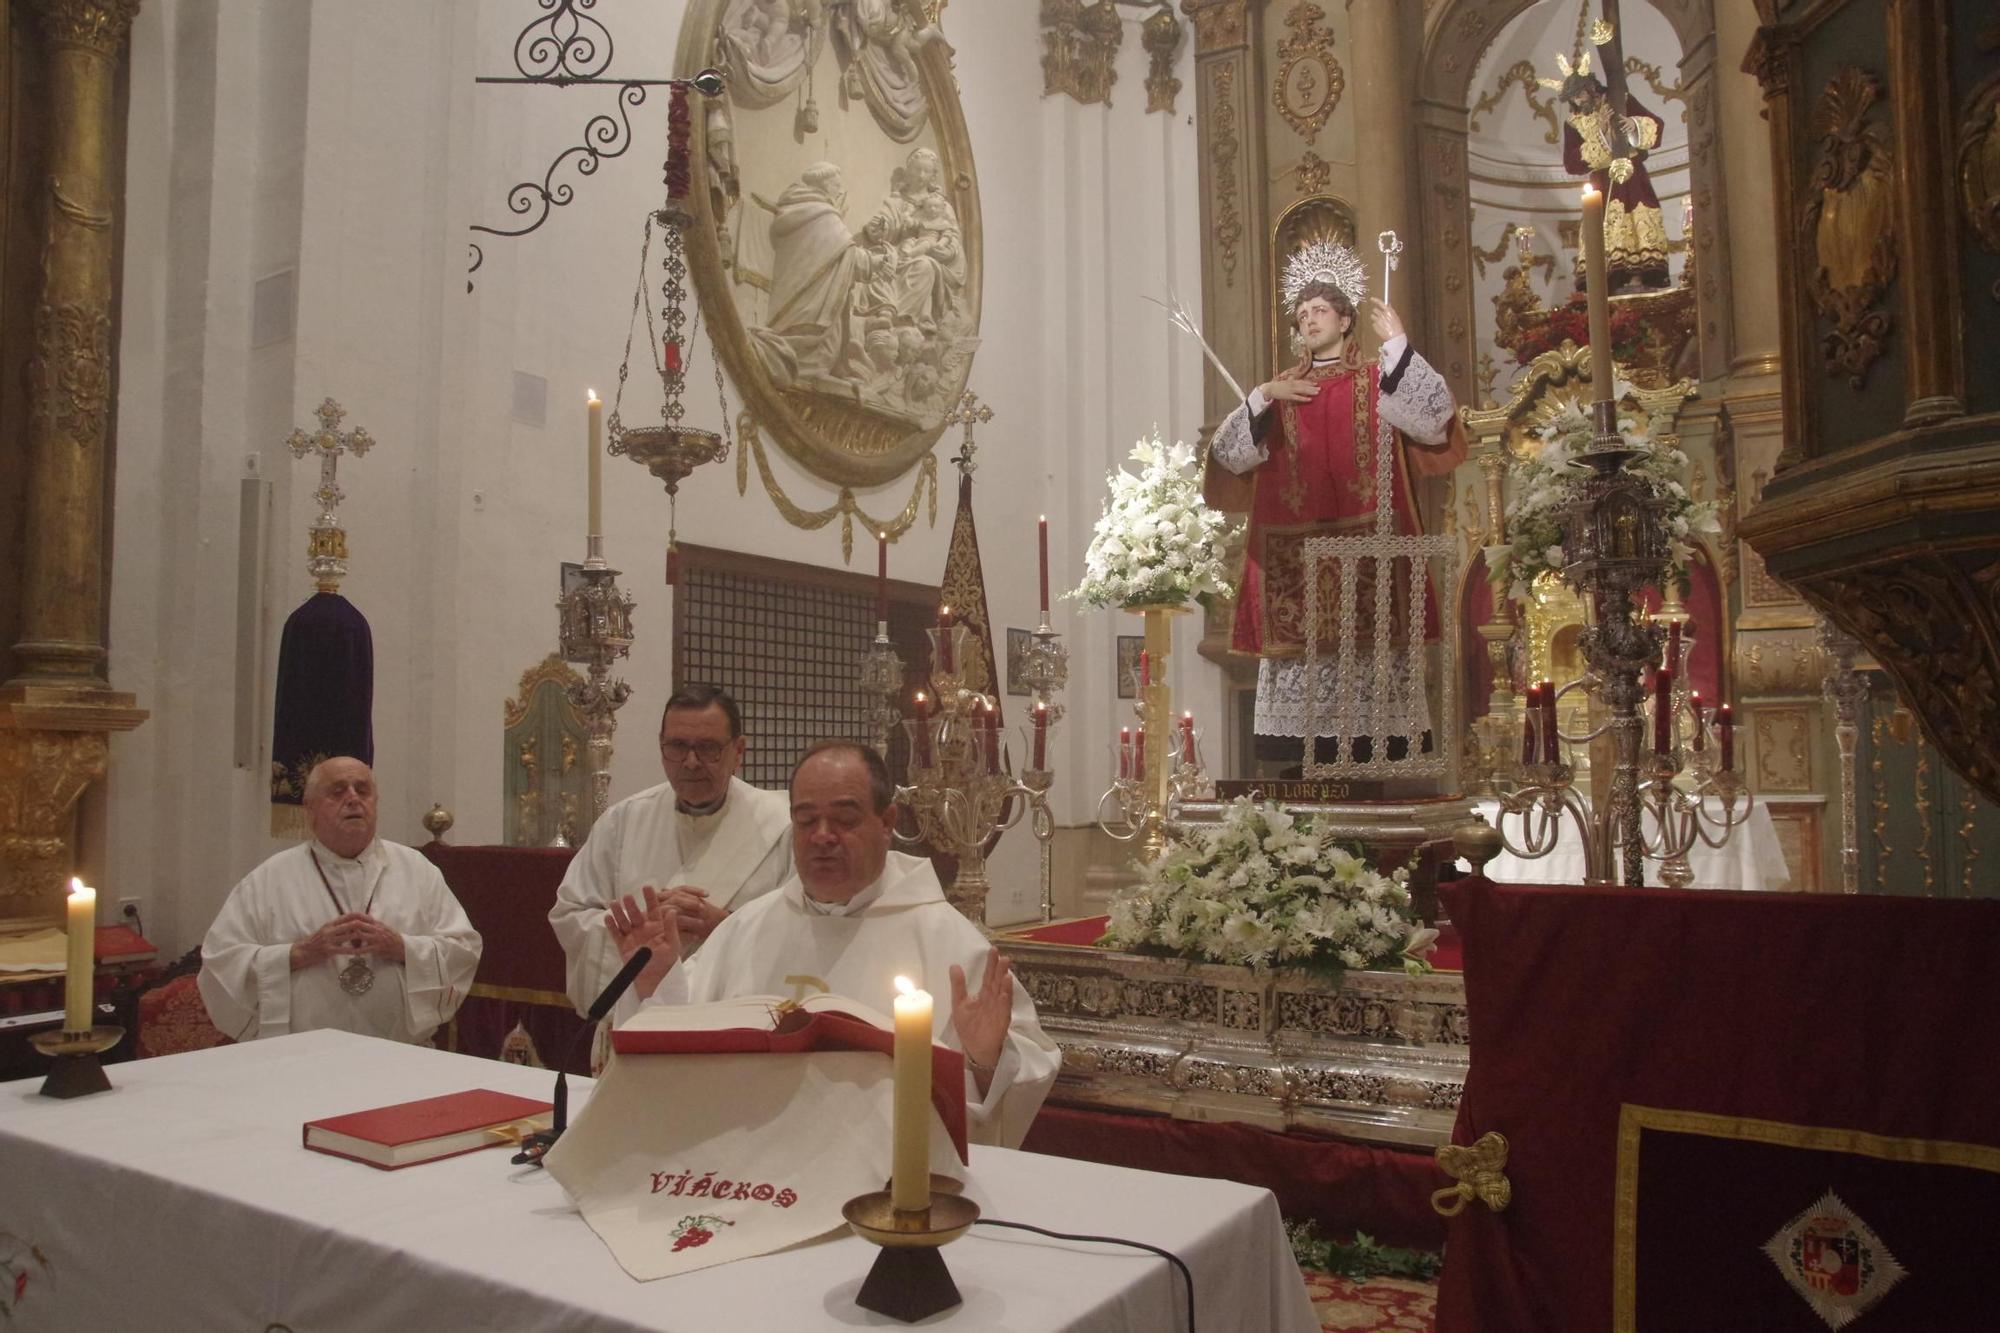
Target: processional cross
326,541
968,412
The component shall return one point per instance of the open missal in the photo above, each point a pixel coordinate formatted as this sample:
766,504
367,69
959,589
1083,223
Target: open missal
422,1131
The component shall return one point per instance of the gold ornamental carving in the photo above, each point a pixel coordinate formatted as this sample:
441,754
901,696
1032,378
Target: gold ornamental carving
845,508
1080,49
1222,153
835,235
1314,173
1310,81
71,369
42,773
1520,74
1784,753
94,25
1979,167
1161,35
1218,24
1849,224
1932,627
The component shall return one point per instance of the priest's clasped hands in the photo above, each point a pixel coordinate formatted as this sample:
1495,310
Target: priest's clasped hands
348,933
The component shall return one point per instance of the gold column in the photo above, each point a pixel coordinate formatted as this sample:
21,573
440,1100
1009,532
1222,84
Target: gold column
1773,58
1382,142
56,713
1934,371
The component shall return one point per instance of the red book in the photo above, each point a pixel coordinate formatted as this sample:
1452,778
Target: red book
423,1131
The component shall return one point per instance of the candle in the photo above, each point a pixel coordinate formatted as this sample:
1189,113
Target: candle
1694,707
1663,711
923,730
881,585
1145,668
1041,736
1042,534
594,413
944,662
1187,739
1725,733
79,986
1124,752
989,722
1530,741
1551,741
910,1179
1139,754
1674,646
1599,295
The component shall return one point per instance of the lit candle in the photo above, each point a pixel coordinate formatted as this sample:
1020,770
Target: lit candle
1187,738
910,1178
923,730
1551,739
944,625
594,411
1674,646
1041,736
989,722
1663,711
79,986
1529,740
881,585
1124,752
1042,534
1694,707
1599,295
1725,732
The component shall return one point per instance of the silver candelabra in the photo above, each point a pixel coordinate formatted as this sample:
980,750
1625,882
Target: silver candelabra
595,621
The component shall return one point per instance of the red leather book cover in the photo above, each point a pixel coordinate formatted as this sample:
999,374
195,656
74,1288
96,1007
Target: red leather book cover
420,1131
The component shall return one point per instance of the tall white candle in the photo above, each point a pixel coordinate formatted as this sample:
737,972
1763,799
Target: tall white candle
80,981
595,410
910,1181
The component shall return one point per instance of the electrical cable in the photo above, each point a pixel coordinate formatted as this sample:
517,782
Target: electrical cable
1172,1258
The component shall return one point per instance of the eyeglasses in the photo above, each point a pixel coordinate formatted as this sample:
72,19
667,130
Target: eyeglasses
676,752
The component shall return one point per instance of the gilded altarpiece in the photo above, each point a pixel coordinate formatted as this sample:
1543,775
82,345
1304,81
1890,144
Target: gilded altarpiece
545,774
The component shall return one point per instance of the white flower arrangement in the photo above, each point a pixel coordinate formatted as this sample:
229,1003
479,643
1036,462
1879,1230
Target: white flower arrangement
1157,542
1546,485
1265,887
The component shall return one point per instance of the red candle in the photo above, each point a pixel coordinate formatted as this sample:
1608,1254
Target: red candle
1042,535
1674,646
989,722
1124,752
1139,754
1187,738
1145,668
1551,742
1725,732
923,730
1041,737
944,625
881,579
1529,739
1694,706
1663,711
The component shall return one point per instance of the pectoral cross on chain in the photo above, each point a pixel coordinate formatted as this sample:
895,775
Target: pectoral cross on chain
326,541
968,412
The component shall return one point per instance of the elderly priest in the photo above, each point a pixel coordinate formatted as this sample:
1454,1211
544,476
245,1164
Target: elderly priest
342,931
706,841
853,918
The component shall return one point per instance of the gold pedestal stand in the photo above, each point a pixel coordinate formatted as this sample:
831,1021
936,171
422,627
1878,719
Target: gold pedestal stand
909,1280
77,1072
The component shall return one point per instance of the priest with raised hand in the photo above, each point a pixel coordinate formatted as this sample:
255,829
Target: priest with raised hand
704,843
854,917
342,931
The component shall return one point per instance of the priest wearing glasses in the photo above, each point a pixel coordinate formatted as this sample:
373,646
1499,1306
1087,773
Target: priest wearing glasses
704,842
342,931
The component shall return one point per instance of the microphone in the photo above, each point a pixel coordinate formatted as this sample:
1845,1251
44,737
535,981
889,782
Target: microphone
535,1145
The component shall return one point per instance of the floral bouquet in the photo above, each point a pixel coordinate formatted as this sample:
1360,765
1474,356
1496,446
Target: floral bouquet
1545,487
1157,541
1265,887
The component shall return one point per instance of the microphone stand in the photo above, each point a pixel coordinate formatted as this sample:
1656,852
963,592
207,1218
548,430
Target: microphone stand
535,1146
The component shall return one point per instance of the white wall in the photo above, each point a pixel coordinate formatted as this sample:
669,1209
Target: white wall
346,140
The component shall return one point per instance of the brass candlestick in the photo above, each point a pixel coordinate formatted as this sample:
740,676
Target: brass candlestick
77,1072
909,1280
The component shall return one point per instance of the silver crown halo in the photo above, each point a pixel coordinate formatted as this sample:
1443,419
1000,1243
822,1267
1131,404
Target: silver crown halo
1325,261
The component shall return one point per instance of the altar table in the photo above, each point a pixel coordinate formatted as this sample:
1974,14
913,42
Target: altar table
182,1199
1752,858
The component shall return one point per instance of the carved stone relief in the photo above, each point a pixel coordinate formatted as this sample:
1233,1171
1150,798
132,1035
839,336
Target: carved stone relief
1080,49
1848,224
1218,24
1979,168
1161,36
1224,148
1784,750
1309,82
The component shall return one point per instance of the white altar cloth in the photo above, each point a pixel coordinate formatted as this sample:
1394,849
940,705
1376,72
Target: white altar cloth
182,1199
1752,858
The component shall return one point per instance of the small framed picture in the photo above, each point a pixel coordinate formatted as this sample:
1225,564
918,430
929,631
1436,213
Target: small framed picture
1129,648
1018,643
572,577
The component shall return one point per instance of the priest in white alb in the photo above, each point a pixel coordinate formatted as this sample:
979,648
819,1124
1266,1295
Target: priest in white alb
342,931
853,918
706,841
